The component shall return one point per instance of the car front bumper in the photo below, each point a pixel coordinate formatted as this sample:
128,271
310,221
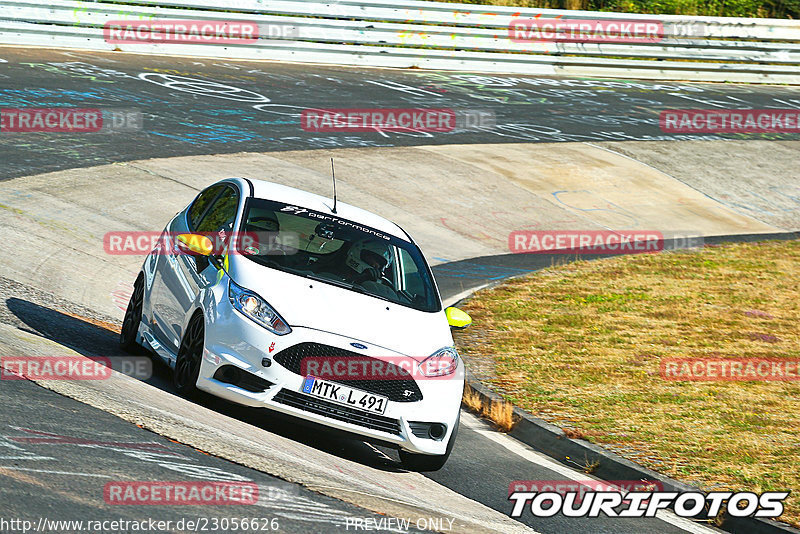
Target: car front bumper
233,339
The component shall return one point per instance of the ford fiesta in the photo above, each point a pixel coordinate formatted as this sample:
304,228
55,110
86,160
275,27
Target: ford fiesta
272,297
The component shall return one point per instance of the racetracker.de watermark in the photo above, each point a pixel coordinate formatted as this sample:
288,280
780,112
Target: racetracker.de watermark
69,120
125,243
730,369
730,121
585,30
73,367
357,367
54,368
186,31
567,30
181,493
599,241
395,119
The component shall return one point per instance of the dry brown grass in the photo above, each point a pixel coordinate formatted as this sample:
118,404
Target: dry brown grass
580,345
500,413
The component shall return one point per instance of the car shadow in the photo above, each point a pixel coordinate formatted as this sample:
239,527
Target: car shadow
91,337
86,336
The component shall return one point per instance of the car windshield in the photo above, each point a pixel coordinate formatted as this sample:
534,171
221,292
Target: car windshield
336,251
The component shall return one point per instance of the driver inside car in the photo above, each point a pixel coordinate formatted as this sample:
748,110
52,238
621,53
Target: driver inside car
367,260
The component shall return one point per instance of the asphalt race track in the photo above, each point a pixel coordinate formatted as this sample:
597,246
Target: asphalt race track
53,469
57,452
204,106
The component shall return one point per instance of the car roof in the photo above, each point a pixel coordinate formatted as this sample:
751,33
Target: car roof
304,199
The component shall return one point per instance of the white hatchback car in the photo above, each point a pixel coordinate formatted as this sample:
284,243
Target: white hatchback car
325,312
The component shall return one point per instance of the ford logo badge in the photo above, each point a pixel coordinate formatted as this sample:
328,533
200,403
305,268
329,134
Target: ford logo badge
358,345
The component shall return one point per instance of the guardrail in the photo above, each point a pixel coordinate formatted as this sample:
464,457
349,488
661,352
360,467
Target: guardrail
432,35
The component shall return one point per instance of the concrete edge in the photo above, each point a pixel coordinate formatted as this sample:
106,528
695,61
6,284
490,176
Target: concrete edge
552,440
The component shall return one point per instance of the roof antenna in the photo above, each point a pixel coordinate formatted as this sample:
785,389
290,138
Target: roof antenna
333,175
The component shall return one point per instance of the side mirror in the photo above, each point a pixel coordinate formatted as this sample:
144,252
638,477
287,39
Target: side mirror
195,244
457,318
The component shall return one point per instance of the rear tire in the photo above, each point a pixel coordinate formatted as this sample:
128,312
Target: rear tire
187,364
428,462
133,317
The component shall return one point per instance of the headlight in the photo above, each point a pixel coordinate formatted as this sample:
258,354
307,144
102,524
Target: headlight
441,363
255,308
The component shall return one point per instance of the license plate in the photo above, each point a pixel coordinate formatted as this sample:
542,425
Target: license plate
355,398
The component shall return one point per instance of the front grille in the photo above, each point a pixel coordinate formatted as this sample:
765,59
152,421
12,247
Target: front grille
337,411
402,389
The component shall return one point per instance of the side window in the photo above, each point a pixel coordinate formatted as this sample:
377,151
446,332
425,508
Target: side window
411,280
222,214
201,203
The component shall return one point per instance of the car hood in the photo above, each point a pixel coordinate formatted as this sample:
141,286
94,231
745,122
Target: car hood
303,302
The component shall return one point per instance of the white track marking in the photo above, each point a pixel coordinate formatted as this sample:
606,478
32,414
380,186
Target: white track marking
524,451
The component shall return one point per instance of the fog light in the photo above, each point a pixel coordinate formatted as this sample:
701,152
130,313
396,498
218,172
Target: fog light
437,431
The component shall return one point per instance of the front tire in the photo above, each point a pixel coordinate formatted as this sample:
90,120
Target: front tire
133,317
187,364
428,462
